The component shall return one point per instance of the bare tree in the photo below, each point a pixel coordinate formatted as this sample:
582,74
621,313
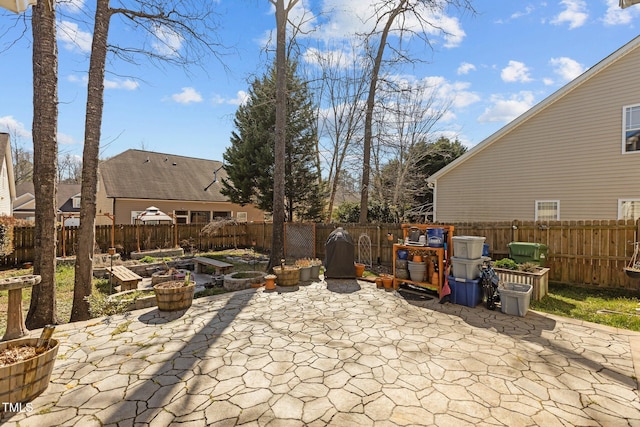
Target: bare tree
183,31
69,169
394,16
21,157
341,88
406,119
42,308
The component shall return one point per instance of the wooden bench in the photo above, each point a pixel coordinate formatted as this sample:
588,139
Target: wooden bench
126,278
220,266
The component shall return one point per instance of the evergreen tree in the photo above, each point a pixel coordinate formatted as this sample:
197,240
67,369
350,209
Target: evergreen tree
249,160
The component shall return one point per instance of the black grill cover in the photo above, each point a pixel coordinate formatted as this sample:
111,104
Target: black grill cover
340,255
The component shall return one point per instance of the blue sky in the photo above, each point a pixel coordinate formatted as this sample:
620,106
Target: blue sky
491,67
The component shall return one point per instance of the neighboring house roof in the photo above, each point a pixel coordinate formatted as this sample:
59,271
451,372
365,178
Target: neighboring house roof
5,154
138,174
554,97
25,197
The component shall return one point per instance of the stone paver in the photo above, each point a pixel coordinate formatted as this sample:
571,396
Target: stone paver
338,353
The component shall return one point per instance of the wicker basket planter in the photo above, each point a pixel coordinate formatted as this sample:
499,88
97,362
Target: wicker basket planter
538,279
287,275
23,381
173,296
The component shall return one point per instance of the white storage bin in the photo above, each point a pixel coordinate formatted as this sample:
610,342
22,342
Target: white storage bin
464,268
515,298
469,247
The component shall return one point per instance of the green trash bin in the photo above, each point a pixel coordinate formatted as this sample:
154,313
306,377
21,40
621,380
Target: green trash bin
522,252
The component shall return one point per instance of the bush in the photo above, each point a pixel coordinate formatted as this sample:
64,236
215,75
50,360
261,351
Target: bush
506,263
147,259
100,305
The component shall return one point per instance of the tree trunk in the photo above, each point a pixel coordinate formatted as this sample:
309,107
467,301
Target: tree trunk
92,131
277,251
42,309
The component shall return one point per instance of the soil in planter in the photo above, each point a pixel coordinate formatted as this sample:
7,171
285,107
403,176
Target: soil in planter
172,285
20,353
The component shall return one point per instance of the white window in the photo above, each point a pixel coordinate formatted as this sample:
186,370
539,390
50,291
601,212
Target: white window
629,209
241,217
631,128
75,200
547,210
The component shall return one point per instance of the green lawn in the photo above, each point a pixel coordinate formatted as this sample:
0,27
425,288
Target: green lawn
612,307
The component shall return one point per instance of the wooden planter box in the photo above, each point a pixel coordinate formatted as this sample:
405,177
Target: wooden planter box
539,280
23,381
173,299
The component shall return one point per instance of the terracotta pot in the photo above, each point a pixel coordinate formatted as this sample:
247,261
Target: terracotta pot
417,258
387,282
379,283
359,269
270,282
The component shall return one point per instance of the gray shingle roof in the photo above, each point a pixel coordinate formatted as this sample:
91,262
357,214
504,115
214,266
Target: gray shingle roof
138,174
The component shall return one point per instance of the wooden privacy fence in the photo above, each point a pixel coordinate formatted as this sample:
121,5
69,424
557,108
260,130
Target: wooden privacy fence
581,252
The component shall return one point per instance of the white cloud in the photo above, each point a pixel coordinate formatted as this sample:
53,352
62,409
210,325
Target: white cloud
13,127
527,11
187,96
506,109
240,99
73,6
73,38
575,13
338,58
127,84
454,93
167,42
617,16
339,20
567,68
65,139
465,68
516,71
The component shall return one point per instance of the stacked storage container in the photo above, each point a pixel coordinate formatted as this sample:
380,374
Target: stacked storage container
465,277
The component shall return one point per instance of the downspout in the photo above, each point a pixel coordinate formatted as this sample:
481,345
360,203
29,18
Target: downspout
433,186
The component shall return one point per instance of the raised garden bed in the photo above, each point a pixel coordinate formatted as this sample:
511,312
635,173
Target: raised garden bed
136,298
243,280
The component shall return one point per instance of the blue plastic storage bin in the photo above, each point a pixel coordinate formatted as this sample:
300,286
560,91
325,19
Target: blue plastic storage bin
465,291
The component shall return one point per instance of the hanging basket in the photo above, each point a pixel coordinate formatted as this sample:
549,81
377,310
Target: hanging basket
173,296
23,381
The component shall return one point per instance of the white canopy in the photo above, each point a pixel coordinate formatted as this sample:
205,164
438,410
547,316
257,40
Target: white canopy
153,214
17,6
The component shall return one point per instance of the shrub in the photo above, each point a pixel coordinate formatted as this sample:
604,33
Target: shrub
147,259
100,305
506,263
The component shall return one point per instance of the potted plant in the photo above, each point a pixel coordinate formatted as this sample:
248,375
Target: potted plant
26,365
528,273
175,295
305,269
